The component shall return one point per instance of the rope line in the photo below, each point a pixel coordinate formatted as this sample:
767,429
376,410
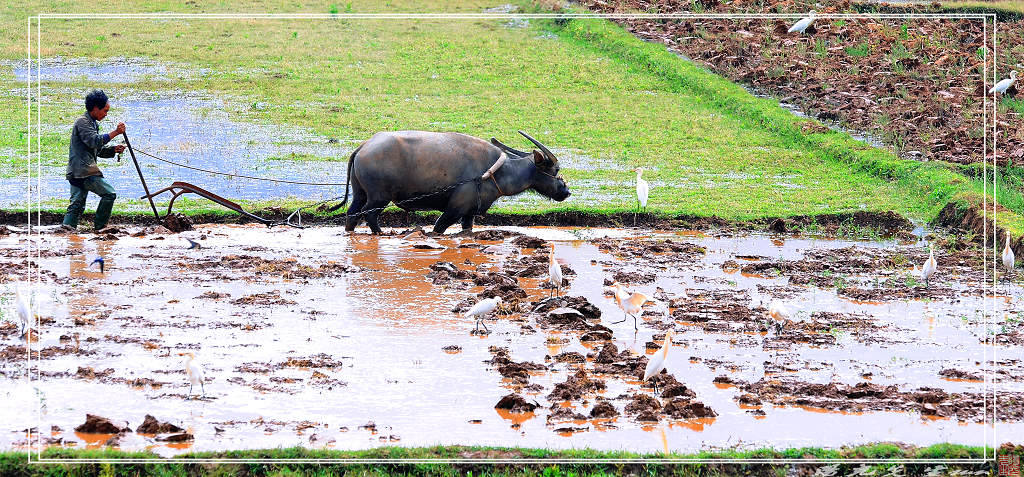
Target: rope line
297,214
208,171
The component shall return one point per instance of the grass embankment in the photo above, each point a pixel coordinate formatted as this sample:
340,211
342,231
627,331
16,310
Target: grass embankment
710,148
14,463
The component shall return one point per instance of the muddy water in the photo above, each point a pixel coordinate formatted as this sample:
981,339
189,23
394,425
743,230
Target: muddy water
326,351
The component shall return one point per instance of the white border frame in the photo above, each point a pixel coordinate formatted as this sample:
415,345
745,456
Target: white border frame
988,318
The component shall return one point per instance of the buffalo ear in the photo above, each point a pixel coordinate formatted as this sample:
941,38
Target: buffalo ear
538,158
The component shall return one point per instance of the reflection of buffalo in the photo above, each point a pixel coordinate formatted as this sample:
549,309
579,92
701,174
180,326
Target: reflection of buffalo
400,166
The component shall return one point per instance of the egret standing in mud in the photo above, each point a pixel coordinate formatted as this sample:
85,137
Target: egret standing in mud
632,304
195,373
554,271
1008,257
658,360
24,311
643,191
802,25
482,308
778,314
930,266
1005,84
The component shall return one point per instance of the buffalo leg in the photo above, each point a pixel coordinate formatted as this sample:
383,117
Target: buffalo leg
373,209
447,219
358,201
467,223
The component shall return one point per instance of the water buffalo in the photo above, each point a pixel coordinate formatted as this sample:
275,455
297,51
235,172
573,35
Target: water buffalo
402,166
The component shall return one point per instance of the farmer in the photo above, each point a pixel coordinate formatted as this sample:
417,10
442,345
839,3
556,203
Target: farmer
84,175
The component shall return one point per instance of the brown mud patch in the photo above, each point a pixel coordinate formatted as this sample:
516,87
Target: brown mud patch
914,84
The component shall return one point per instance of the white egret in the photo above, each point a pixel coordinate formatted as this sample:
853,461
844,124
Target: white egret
195,373
482,308
554,271
1005,84
1008,257
24,310
658,359
632,304
930,266
802,25
643,191
779,315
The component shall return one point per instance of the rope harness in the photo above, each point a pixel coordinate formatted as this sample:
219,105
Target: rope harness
297,214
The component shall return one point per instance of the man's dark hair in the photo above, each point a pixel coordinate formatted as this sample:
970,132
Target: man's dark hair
95,99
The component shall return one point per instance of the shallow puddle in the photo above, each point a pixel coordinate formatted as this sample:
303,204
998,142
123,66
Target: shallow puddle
317,338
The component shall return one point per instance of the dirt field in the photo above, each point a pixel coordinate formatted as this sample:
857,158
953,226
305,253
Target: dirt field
318,338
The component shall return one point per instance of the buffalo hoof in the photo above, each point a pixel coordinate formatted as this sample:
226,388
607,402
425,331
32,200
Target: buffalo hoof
465,233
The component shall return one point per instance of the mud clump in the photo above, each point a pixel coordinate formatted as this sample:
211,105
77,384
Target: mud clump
636,278
495,235
212,295
182,437
515,403
527,241
680,408
959,374
100,425
560,413
268,298
578,303
575,386
177,223
641,404
570,357
150,425
604,409
777,226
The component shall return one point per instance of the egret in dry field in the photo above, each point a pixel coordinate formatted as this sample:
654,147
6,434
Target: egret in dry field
1008,257
643,191
24,311
802,25
193,244
482,308
98,259
1005,84
632,304
779,315
554,271
195,373
658,360
930,266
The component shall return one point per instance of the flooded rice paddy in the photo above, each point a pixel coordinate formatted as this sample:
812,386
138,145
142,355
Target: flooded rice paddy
324,339
210,132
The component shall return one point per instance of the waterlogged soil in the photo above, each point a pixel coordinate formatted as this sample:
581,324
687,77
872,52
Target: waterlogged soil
915,84
320,338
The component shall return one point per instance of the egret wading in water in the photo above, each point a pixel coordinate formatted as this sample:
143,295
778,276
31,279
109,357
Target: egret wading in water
658,360
482,308
632,304
554,271
195,374
802,25
643,191
1008,257
1005,84
930,266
